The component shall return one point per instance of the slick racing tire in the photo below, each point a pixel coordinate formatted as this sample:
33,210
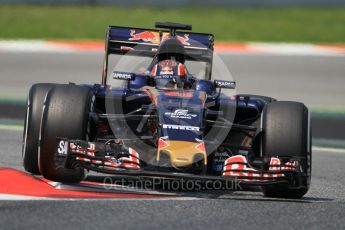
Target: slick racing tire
65,115
32,124
287,134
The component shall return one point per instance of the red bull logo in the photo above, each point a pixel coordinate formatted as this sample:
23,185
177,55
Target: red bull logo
153,37
146,36
183,39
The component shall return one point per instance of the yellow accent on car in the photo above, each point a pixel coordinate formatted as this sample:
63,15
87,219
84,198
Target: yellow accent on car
181,153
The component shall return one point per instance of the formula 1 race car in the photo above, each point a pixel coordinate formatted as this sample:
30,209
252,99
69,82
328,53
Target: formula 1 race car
152,117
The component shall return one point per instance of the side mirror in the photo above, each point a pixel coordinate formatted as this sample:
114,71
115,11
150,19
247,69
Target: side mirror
123,75
225,84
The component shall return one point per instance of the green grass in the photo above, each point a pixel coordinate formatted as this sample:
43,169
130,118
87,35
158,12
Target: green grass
89,22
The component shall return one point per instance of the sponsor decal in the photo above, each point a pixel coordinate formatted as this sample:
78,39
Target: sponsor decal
181,127
219,158
153,37
225,84
165,76
122,75
146,36
181,114
62,148
179,94
183,39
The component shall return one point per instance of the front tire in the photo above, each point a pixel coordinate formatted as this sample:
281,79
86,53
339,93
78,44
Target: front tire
65,114
32,125
286,133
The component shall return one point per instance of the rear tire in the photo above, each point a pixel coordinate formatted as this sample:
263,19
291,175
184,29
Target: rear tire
286,133
66,115
32,124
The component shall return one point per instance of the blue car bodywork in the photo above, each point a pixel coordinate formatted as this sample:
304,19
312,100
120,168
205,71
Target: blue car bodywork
197,132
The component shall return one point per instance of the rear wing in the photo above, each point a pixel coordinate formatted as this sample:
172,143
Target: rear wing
145,42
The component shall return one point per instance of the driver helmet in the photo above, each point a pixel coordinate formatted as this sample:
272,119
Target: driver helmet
169,74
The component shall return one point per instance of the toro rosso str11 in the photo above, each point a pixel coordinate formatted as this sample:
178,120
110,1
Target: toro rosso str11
153,116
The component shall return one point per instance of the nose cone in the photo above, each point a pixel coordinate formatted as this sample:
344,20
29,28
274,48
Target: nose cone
183,153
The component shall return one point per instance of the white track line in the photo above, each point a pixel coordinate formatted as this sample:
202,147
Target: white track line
295,49
251,48
35,46
11,127
20,197
328,149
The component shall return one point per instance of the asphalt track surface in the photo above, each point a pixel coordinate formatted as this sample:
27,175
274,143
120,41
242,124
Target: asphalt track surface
316,80
322,208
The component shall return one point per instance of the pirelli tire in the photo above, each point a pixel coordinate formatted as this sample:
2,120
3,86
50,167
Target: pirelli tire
32,123
287,134
66,114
